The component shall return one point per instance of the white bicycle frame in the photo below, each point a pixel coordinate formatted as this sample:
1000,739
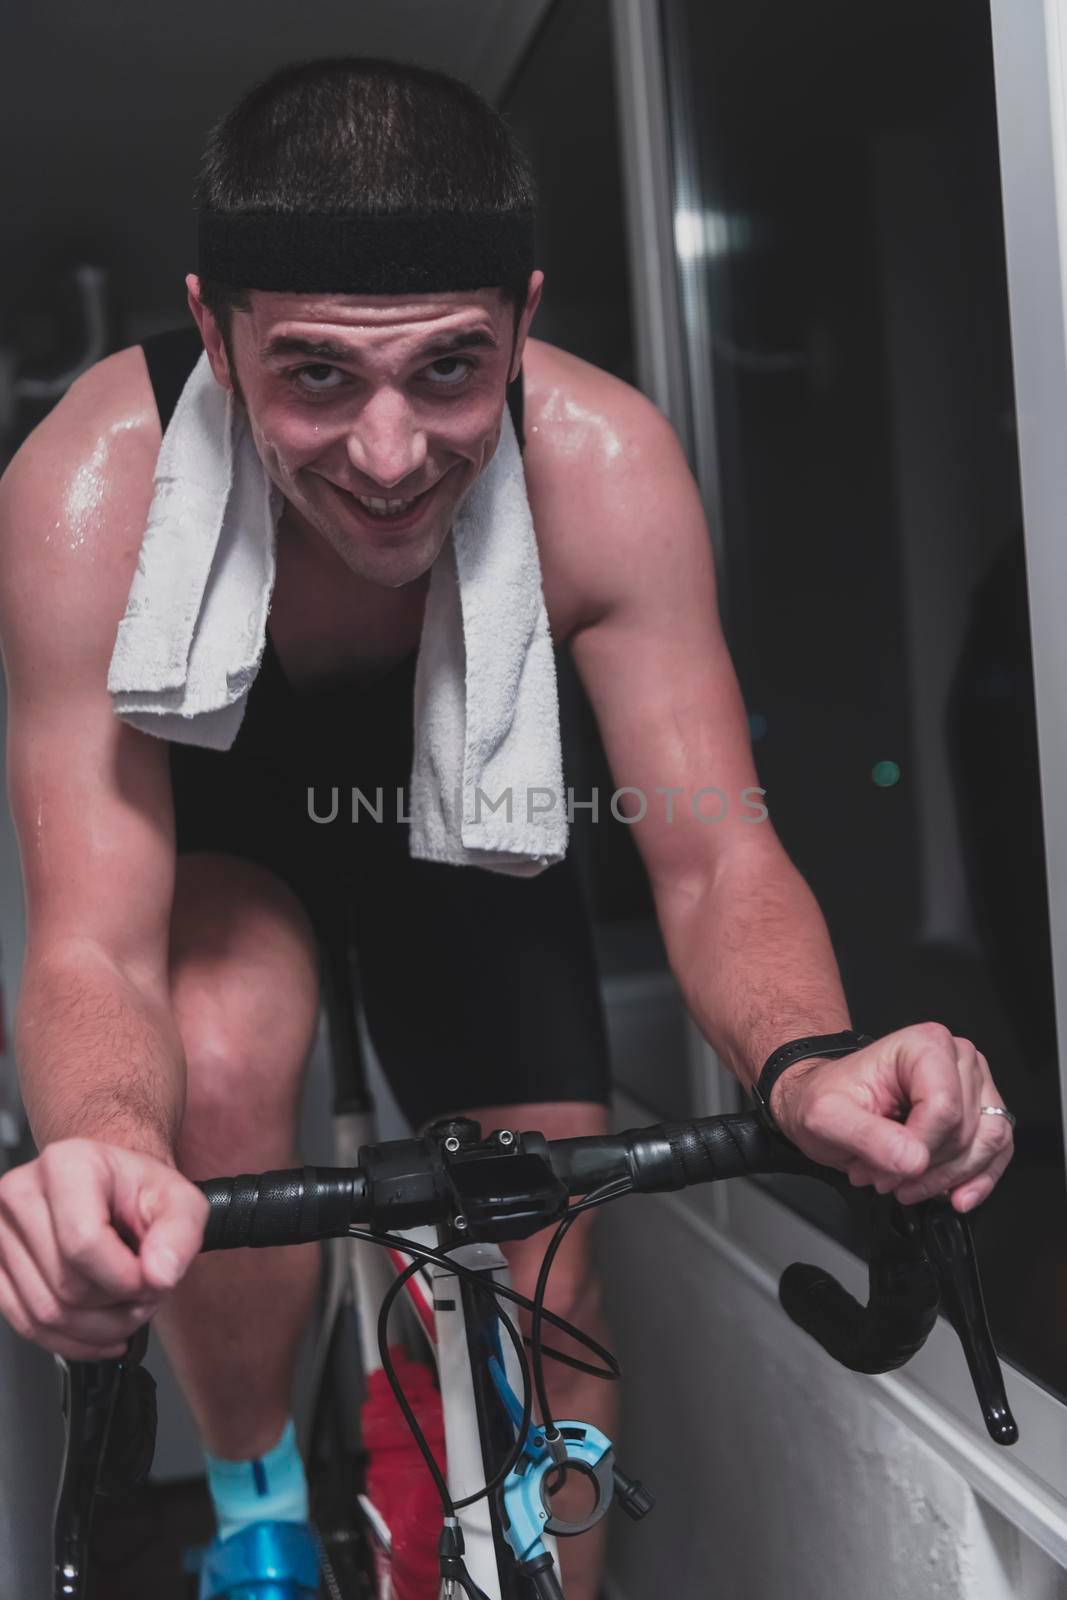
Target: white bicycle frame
458,1318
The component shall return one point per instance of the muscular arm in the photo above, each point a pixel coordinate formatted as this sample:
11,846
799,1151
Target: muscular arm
99,1057
97,1047
625,529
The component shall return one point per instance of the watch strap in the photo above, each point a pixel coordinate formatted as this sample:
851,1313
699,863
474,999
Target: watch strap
845,1043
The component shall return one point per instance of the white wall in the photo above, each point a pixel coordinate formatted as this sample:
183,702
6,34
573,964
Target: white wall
778,1474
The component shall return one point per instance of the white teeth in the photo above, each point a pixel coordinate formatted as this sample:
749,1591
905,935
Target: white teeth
384,507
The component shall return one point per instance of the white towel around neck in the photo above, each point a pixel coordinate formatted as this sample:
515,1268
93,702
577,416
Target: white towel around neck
487,775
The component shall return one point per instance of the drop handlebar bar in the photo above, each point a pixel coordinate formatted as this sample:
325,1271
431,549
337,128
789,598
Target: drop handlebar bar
921,1260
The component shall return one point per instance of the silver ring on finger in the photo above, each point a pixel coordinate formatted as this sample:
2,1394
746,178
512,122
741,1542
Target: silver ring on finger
997,1111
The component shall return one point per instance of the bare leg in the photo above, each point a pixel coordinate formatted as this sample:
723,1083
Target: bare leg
244,983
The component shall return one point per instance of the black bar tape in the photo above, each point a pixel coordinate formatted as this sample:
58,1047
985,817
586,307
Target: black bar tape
877,1337
676,1154
274,1208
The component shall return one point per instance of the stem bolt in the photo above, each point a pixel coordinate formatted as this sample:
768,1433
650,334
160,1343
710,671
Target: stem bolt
506,1136
452,1144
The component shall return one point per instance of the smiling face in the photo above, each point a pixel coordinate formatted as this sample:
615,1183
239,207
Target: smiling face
359,402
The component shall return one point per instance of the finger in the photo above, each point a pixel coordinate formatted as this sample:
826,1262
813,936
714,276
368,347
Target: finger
41,1306
993,1146
11,1307
864,1176
34,1224
79,1201
975,1078
992,1138
930,1079
972,1194
13,1312
50,1319
851,1133
860,1174
175,1233
162,1210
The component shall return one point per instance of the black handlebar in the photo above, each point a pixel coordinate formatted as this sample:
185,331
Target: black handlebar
273,1208
921,1260
511,1185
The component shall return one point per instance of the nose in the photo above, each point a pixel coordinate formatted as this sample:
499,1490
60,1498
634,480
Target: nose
385,444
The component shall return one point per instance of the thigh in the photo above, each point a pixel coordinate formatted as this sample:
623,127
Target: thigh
244,980
252,811
479,989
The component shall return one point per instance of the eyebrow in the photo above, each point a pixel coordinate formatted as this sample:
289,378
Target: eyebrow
289,344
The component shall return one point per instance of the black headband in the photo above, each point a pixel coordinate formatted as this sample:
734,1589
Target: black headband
357,253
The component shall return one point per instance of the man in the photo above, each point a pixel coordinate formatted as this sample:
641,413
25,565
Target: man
170,988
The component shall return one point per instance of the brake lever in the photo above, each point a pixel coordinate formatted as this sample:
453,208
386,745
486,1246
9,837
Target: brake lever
922,1261
949,1247
90,1389
98,1397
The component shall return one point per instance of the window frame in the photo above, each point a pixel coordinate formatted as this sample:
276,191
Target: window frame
1030,66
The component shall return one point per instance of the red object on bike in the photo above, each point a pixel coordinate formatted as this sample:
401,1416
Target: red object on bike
398,1480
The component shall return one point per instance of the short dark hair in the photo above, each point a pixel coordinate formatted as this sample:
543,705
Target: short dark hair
359,133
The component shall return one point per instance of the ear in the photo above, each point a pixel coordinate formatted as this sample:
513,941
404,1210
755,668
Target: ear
210,332
533,300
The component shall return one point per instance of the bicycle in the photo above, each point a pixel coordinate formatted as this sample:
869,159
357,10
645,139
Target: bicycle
497,1519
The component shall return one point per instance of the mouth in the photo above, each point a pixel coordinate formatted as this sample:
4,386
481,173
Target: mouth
387,513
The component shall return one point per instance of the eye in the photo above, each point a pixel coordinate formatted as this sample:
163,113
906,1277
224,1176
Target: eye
319,369
450,380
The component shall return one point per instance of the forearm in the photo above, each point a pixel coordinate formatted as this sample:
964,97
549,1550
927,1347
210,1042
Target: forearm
98,1055
751,951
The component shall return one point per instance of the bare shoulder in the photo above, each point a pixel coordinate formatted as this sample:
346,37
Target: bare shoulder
73,505
108,407
594,445
575,410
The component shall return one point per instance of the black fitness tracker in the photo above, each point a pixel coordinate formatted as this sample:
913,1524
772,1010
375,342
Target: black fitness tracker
845,1043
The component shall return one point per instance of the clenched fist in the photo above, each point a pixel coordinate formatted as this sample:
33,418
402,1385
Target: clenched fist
903,1114
92,1237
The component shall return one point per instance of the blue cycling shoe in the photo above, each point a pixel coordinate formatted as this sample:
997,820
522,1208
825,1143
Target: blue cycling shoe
266,1561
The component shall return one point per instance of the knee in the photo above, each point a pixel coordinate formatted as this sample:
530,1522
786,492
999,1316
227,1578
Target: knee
244,981
574,1291
231,1081
242,1090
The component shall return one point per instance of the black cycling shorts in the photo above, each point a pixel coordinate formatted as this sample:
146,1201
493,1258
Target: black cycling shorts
478,989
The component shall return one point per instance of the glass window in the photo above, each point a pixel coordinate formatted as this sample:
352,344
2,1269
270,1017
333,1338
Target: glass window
561,106
839,202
